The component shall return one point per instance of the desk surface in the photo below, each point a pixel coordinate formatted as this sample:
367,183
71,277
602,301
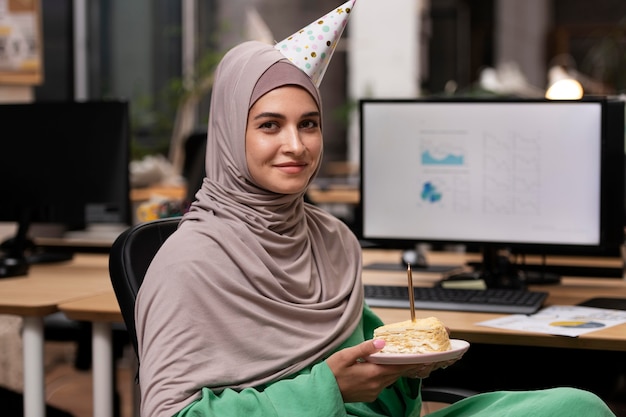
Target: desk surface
40,293
334,195
103,307
570,291
97,308
175,192
47,285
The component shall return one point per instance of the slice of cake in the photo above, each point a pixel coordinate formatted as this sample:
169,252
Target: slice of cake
425,335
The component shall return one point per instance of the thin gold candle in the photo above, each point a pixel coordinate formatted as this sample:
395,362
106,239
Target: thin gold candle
411,293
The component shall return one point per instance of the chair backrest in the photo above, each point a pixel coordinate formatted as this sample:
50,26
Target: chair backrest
129,259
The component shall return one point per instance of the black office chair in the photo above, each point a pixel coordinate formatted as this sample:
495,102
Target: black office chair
193,164
130,257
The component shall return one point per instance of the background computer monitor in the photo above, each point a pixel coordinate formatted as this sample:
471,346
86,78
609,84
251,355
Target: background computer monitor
64,163
527,175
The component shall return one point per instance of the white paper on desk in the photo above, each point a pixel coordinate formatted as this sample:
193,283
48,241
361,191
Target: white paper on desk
561,320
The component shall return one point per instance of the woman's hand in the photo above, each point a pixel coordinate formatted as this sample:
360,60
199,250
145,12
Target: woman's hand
362,381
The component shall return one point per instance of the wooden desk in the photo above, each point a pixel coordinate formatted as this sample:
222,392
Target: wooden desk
39,294
334,195
570,291
101,310
172,191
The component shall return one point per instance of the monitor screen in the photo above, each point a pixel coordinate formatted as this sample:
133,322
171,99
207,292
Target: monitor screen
532,174
65,162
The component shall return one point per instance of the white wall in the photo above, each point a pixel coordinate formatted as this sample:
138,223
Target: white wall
384,49
521,36
384,54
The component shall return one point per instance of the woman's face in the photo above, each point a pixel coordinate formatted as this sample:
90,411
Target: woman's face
283,140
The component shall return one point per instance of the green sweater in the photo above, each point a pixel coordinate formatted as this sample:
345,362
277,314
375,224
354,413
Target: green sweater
311,392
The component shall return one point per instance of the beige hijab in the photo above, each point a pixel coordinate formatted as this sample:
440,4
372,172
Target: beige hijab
254,286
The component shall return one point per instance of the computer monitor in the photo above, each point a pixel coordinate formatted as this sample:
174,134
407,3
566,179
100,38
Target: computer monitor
497,174
64,163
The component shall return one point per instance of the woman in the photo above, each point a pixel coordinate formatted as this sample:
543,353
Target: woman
254,306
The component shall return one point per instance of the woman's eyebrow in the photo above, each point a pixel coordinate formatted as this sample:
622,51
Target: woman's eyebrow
282,116
269,114
311,114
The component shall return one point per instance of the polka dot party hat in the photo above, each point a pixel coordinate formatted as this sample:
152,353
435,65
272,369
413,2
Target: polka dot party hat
312,47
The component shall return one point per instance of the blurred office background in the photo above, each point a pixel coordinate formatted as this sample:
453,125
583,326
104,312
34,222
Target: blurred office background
155,52
159,54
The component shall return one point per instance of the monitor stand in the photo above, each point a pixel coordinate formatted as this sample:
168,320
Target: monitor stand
497,271
19,252
13,262
46,256
13,267
417,258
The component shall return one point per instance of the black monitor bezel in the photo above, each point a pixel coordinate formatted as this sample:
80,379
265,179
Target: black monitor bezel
60,204
56,191
611,178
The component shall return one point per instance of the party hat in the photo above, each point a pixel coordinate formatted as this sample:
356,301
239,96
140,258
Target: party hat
312,47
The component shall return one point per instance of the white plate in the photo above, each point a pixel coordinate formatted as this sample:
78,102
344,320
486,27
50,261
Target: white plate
458,348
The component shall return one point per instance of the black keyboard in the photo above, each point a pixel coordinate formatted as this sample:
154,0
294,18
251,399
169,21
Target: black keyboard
491,300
